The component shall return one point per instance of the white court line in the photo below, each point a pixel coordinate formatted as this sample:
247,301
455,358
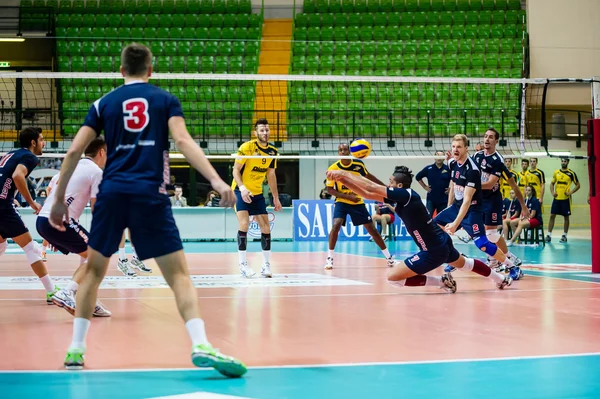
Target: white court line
322,365
398,293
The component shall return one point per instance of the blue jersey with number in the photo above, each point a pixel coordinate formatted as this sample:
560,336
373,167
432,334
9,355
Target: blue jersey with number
8,165
135,119
463,176
416,218
491,164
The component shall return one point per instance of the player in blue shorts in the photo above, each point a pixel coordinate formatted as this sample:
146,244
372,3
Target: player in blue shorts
136,119
492,168
464,201
434,244
15,167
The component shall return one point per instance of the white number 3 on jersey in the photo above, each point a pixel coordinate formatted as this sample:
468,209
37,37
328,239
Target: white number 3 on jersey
136,114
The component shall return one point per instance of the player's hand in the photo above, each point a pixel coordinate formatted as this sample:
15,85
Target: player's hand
448,155
451,228
277,204
335,175
36,207
58,214
525,214
225,192
568,193
555,195
246,196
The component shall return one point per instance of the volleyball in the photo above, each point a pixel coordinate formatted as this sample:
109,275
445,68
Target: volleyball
360,148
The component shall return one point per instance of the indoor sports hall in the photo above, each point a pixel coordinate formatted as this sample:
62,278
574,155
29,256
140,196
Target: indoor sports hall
399,77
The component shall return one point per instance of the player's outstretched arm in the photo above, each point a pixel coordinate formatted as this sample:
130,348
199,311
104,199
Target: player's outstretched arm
360,185
59,211
195,156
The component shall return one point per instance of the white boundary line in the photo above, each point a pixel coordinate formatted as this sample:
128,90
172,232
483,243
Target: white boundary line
301,366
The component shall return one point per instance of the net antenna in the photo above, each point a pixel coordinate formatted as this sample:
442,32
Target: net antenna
400,116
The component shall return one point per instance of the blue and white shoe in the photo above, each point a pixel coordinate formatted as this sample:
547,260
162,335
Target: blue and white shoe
449,269
516,273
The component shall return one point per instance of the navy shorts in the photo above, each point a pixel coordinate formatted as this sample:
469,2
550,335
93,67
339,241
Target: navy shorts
425,261
11,224
561,207
258,206
358,213
472,223
73,240
433,207
492,210
148,217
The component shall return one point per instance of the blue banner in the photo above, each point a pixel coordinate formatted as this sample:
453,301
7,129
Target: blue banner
313,220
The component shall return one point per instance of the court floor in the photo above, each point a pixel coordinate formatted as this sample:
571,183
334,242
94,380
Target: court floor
311,333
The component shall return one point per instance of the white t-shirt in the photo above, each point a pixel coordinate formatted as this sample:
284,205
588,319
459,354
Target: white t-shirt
82,187
52,183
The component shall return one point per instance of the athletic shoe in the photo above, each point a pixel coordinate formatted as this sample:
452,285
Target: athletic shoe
246,271
448,283
505,283
516,273
123,265
138,264
391,261
449,269
49,295
329,264
101,311
266,270
74,359
65,299
563,239
207,356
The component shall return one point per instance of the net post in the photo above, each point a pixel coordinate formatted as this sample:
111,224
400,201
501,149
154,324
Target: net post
594,168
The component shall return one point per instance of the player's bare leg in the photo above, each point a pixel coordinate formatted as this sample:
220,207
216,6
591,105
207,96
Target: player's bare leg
86,300
333,237
265,243
380,243
66,298
242,239
34,257
174,269
402,276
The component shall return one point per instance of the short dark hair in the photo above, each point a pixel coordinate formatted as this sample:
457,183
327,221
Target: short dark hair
525,160
136,59
534,158
261,121
403,175
28,135
491,129
177,186
95,146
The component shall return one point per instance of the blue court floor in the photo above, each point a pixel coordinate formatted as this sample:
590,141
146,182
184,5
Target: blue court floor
561,376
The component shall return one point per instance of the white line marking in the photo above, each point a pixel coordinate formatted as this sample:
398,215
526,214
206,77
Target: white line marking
200,395
322,365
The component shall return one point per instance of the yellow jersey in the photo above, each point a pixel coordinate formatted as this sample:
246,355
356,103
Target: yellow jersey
505,187
537,178
254,170
562,180
523,180
357,168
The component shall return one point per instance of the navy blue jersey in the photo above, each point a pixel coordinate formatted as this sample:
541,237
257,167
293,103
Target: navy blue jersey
491,164
463,176
8,165
514,207
416,218
438,179
533,204
135,118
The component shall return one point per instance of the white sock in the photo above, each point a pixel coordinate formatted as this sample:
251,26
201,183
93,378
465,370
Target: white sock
469,264
267,256
564,234
197,332
434,280
134,253
80,330
72,286
122,255
386,253
549,234
508,262
44,247
330,253
497,277
510,255
47,281
242,256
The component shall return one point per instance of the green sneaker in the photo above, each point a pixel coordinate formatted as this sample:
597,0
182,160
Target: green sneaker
74,359
207,356
49,295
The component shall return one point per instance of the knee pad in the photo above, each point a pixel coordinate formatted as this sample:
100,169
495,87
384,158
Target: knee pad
33,252
493,235
3,246
485,245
